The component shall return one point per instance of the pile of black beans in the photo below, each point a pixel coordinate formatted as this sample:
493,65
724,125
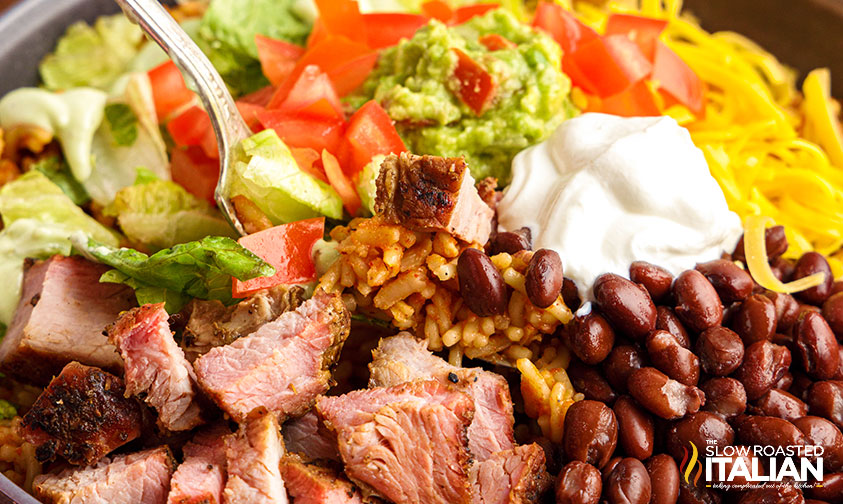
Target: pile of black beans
708,357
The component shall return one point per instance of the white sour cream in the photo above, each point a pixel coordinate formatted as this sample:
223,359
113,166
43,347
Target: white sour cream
604,191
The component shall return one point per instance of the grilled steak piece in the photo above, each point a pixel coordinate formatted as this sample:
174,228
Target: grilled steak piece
402,358
82,415
405,443
60,318
200,479
307,436
254,456
309,483
136,478
283,365
429,193
211,324
515,476
155,366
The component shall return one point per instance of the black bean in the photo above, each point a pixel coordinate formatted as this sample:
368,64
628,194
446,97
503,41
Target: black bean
655,279
731,282
697,304
544,278
481,285
511,242
808,264
626,305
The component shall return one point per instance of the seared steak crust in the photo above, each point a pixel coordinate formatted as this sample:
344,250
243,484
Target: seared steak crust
283,365
430,193
405,443
137,478
81,416
515,476
60,318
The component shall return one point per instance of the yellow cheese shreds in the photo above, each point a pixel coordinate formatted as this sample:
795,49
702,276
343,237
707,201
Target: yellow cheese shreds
773,153
757,263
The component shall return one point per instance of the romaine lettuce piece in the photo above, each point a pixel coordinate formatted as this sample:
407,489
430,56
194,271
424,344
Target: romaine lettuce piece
128,140
38,220
72,116
92,56
267,174
198,269
59,173
227,36
161,214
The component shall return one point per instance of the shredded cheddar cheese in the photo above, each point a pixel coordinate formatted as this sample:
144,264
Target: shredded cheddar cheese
773,153
757,261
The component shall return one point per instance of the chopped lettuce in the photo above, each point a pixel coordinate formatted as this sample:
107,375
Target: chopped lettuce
160,214
72,116
129,140
366,188
92,56
59,173
198,269
151,55
267,174
227,36
38,220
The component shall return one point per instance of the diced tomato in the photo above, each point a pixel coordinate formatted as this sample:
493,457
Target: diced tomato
189,127
342,18
463,14
307,159
300,131
346,62
169,92
636,101
313,94
676,79
370,132
288,249
477,86
610,65
317,34
278,58
495,42
341,183
387,29
249,111
195,171
563,26
260,97
438,9
643,31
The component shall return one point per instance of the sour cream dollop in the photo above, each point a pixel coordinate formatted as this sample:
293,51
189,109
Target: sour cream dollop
604,191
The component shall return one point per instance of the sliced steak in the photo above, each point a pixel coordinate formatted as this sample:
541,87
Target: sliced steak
515,476
429,193
211,324
283,365
60,318
155,366
405,443
200,479
310,483
82,415
254,456
402,358
308,436
136,478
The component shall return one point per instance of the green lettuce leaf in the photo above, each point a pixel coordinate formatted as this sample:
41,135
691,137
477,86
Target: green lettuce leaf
7,410
58,172
366,187
92,56
38,219
267,174
128,140
227,36
198,269
160,214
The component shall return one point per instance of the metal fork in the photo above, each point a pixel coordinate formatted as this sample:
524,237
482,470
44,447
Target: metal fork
229,126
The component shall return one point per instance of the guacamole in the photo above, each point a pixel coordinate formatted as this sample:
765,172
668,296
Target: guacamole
414,81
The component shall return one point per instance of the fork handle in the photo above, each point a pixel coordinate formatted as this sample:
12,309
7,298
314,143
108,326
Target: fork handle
227,122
